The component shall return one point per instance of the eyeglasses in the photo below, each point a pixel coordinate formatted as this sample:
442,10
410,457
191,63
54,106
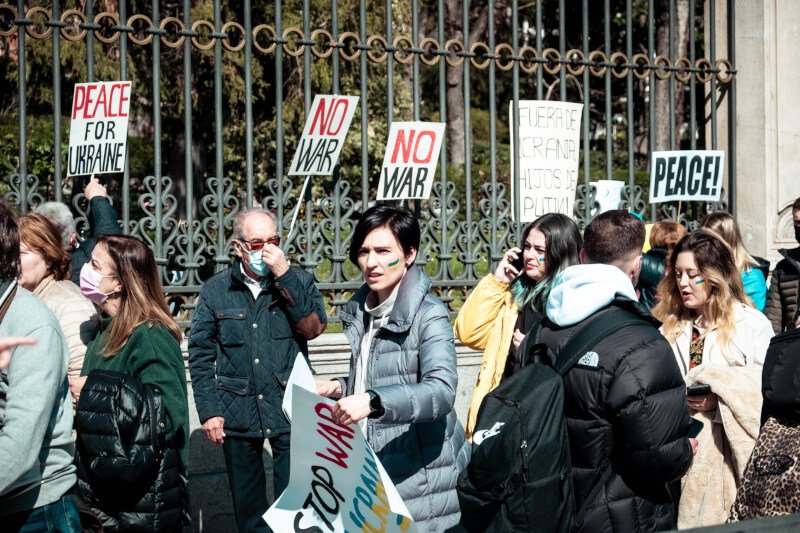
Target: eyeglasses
257,244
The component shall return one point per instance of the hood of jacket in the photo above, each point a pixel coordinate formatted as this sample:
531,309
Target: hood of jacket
413,288
581,290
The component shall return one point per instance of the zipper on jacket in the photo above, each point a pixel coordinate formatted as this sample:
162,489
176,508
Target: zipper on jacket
153,416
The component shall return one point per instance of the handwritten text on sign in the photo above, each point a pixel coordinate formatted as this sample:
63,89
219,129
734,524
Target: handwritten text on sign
409,164
694,175
549,151
98,134
323,135
336,483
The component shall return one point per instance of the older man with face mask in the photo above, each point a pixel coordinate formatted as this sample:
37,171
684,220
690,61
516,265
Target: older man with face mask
250,322
783,297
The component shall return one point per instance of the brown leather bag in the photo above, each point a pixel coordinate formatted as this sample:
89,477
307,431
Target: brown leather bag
771,481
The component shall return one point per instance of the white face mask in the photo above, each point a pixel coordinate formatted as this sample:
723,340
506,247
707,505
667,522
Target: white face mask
90,284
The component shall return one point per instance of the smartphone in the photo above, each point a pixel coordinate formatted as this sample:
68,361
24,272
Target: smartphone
699,389
694,429
518,262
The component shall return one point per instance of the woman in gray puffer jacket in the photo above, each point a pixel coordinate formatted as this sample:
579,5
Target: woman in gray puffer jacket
402,382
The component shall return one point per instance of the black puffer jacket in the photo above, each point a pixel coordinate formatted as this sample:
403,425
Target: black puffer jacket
626,406
780,378
130,478
784,292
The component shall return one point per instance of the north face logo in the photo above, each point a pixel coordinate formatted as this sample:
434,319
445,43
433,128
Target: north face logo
589,359
484,434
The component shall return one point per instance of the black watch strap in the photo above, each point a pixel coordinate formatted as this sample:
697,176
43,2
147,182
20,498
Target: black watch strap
375,407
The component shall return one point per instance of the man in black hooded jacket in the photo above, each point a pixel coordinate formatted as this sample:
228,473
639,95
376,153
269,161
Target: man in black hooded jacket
625,399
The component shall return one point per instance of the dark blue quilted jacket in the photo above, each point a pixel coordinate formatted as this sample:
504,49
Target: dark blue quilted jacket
241,349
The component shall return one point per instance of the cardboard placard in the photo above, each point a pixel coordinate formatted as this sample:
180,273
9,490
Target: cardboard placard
336,482
98,134
692,175
409,164
549,152
323,135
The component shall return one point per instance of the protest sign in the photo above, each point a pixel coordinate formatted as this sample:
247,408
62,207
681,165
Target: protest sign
409,164
301,376
693,175
98,134
323,135
549,139
336,482
608,195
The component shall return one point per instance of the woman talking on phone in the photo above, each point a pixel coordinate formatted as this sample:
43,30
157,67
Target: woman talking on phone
501,308
720,343
402,382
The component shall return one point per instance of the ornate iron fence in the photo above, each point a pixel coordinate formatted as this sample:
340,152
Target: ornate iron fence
410,60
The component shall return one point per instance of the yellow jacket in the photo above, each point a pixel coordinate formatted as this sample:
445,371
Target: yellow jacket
486,322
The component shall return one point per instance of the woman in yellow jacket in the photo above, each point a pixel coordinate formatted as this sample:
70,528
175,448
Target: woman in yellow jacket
501,308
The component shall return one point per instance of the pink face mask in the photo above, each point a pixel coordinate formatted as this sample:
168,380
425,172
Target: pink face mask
90,284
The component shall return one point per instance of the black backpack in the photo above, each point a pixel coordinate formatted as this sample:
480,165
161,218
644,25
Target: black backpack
519,477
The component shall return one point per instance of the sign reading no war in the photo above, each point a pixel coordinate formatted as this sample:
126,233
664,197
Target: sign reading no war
694,175
409,164
323,135
98,134
336,483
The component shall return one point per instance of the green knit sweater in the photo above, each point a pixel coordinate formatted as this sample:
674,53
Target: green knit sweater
154,356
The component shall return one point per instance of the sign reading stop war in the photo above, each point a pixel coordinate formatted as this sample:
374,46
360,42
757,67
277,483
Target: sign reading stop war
336,483
694,175
409,163
98,134
323,135
549,152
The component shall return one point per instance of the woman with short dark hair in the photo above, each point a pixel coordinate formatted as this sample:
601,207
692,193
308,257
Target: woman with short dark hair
402,382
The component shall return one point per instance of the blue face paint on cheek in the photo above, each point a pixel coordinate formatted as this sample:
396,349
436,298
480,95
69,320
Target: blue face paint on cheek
699,282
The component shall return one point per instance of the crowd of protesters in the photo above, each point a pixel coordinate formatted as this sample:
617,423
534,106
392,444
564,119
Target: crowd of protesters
663,417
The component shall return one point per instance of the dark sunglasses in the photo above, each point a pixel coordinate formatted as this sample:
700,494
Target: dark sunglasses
257,244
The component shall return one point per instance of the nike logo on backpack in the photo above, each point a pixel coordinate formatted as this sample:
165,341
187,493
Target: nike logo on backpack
484,434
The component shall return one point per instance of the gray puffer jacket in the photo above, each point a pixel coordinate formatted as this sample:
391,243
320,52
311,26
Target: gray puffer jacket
412,367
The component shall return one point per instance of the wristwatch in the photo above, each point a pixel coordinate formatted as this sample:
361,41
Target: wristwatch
376,409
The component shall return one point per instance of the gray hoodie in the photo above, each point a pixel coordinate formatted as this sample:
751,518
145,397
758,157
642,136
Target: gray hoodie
36,447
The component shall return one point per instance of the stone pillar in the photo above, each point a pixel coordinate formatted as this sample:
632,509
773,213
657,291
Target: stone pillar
767,37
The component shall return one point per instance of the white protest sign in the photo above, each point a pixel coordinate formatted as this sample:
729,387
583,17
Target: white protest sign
409,164
301,376
692,175
336,482
608,195
549,151
323,135
98,134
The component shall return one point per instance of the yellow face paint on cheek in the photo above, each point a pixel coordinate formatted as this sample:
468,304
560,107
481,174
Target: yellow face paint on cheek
393,264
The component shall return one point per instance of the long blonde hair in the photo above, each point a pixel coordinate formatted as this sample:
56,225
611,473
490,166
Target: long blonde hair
724,225
142,298
715,262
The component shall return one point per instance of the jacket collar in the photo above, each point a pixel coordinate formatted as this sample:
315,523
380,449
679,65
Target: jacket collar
43,285
237,277
792,256
413,288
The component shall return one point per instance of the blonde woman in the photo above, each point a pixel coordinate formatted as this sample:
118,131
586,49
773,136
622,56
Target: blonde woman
719,343
754,279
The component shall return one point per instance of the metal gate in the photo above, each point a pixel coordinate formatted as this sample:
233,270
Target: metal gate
221,91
